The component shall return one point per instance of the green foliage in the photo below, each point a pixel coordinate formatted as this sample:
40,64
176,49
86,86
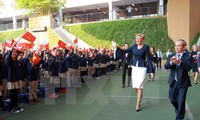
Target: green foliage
41,7
9,35
124,31
195,40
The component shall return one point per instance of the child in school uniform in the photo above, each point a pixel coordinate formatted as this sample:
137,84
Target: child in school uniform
14,79
33,76
54,77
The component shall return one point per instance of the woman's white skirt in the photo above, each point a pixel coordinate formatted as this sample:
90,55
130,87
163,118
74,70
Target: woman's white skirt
138,76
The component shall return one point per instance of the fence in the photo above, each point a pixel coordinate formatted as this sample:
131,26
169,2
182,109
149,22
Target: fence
100,16
118,14
4,27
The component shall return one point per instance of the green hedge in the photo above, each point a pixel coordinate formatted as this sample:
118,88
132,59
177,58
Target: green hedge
11,34
195,40
124,31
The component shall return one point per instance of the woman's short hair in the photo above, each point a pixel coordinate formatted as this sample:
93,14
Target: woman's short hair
141,35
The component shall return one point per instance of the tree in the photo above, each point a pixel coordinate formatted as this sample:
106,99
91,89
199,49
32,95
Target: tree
40,7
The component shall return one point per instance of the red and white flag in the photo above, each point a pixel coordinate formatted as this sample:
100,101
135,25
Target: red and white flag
9,44
29,37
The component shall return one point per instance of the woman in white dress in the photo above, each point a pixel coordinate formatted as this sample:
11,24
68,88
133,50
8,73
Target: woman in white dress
140,64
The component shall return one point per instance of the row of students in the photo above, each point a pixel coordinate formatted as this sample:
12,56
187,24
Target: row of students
18,69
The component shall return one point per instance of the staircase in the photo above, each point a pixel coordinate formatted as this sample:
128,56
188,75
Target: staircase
69,38
59,31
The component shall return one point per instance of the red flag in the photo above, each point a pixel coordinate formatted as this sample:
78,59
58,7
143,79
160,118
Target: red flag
9,44
44,47
20,49
47,46
71,47
12,42
21,44
76,41
67,47
28,36
29,46
61,44
36,59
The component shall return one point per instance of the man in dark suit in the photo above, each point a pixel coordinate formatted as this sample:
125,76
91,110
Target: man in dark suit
179,80
126,65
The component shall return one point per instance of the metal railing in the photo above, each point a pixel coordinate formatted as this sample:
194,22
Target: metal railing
9,26
118,14
99,16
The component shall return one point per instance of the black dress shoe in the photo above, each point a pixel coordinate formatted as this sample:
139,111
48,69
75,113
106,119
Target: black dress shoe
123,87
137,110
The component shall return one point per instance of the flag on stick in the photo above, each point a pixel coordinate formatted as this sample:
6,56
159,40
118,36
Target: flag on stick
29,37
62,44
29,45
9,44
76,41
36,59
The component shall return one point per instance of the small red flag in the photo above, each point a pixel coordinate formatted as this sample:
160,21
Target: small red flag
62,44
20,49
36,59
71,47
29,46
47,47
44,47
9,44
76,41
28,36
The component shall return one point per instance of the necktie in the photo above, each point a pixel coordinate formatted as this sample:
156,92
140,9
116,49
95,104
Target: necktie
178,56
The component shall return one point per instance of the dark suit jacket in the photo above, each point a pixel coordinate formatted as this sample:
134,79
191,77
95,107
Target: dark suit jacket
141,56
127,60
14,69
182,70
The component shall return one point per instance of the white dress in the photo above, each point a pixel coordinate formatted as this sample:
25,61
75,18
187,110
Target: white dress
138,76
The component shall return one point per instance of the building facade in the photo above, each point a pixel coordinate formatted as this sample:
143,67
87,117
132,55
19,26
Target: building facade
78,11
